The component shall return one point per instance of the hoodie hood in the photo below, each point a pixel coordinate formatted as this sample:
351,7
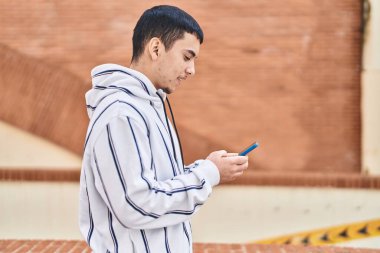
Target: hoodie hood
108,79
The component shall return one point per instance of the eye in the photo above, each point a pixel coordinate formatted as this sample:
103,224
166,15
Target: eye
186,58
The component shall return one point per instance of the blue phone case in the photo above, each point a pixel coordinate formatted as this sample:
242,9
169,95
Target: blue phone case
249,149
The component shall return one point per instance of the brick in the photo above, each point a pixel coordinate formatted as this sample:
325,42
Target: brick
67,246
14,245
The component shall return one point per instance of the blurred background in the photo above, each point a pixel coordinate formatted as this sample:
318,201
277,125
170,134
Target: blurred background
300,77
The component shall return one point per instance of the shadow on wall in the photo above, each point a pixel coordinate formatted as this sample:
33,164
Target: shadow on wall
42,99
49,101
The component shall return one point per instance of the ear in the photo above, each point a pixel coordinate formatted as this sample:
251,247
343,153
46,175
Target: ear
155,47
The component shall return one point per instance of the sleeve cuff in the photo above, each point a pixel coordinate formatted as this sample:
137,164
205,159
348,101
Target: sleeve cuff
208,171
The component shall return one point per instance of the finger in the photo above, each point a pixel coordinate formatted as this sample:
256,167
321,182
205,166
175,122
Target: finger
242,167
242,164
245,165
237,159
238,174
238,168
221,152
231,154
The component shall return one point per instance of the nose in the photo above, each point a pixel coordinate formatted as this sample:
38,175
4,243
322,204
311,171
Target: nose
190,69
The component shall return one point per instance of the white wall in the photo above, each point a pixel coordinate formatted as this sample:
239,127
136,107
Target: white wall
246,213
24,150
233,214
39,210
371,93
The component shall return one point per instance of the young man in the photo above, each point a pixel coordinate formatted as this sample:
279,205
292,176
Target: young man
135,193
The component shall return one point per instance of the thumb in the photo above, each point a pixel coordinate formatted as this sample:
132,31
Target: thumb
221,152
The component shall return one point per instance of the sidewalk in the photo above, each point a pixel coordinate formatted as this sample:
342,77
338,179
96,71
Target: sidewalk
50,246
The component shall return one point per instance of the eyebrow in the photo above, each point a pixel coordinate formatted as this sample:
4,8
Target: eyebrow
191,52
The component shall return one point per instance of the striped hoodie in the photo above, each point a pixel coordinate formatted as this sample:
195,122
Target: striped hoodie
135,193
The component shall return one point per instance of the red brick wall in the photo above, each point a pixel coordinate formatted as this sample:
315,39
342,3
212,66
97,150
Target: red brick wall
285,73
42,98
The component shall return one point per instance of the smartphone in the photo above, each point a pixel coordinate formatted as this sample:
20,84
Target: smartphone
249,149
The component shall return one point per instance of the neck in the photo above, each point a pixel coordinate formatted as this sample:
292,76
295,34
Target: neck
144,68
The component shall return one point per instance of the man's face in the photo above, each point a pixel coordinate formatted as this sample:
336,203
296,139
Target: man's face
176,64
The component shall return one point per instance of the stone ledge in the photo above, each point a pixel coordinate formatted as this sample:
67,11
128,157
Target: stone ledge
294,179
29,174
305,179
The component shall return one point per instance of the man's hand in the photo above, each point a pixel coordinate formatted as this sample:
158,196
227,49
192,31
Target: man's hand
230,165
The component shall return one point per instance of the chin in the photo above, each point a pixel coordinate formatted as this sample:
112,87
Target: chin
168,91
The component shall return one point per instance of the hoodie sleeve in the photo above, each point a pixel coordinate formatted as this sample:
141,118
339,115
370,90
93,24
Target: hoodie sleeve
126,180
189,168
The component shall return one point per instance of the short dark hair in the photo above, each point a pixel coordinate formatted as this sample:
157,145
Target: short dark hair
168,23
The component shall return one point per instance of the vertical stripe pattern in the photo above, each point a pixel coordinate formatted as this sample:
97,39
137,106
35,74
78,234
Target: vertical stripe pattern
112,232
146,244
137,198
